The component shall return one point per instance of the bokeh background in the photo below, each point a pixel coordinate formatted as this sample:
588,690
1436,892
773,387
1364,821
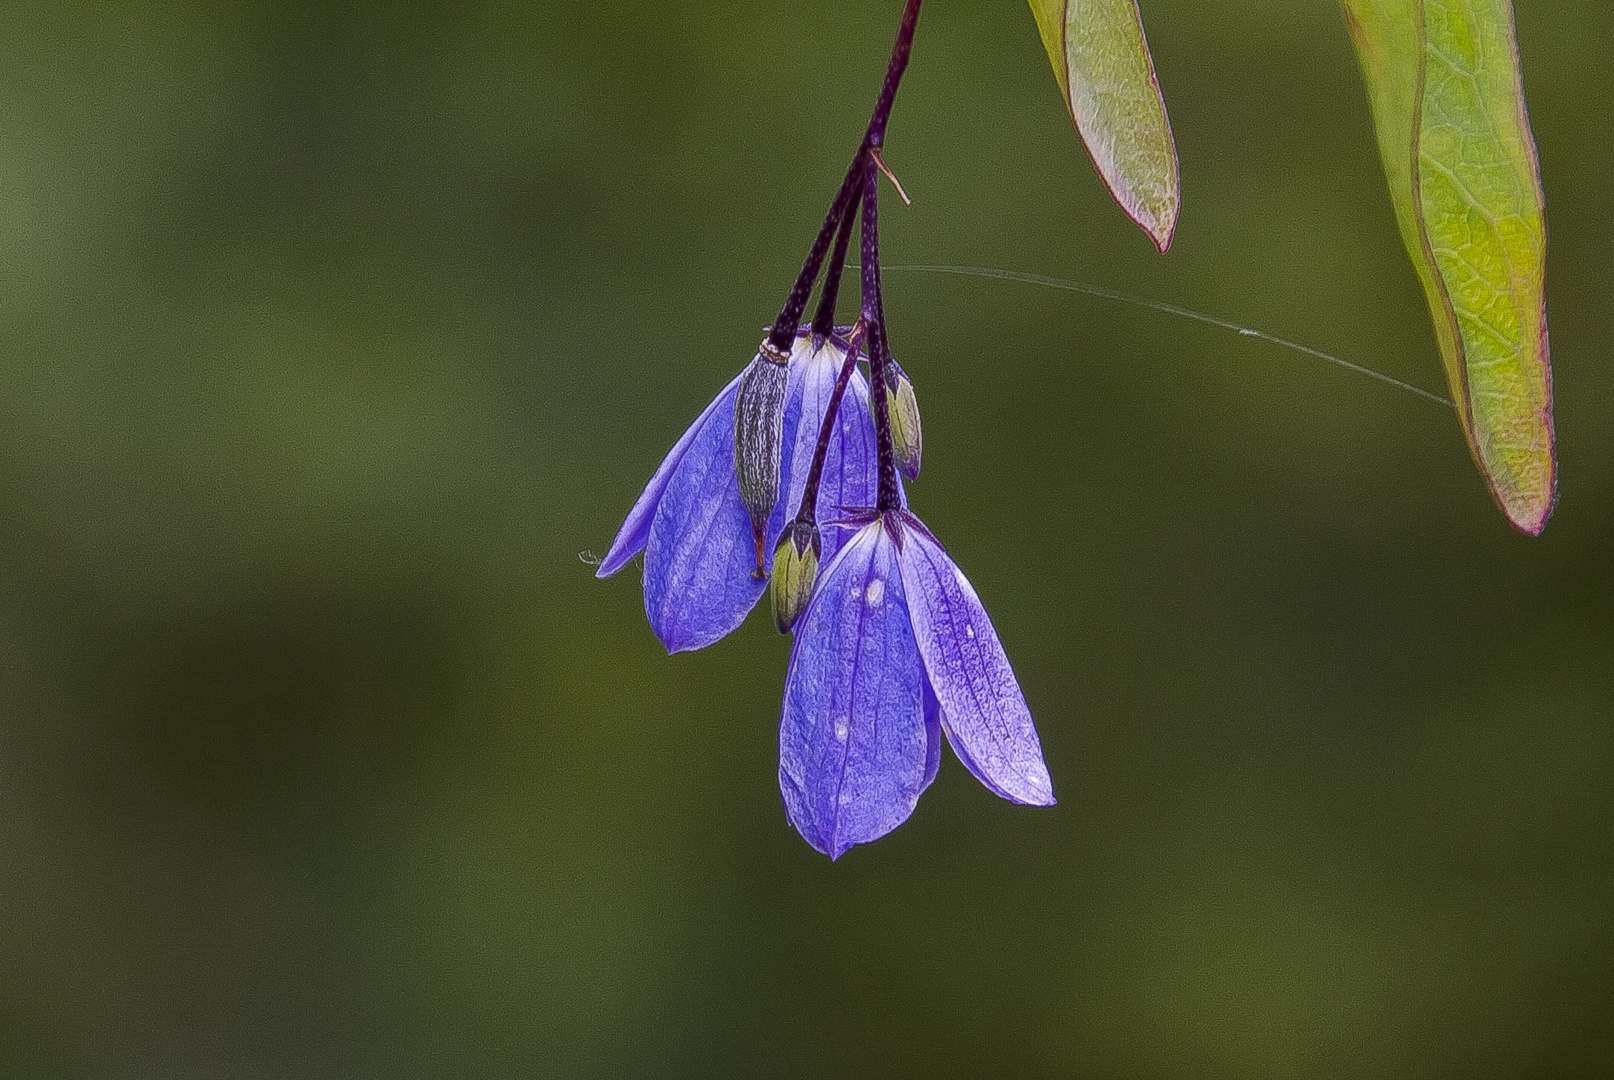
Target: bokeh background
331,334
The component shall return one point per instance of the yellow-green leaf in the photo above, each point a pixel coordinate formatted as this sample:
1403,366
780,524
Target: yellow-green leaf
1448,104
1106,74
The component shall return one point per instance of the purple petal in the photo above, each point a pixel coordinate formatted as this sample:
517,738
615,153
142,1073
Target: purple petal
982,710
700,552
855,750
804,412
933,733
850,478
851,468
630,539
862,454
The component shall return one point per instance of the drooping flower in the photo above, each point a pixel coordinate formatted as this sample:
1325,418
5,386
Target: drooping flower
692,521
849,449
894,650
796,468
850,478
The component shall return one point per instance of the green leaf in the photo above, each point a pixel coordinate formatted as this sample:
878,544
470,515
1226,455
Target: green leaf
1443,79
1105,72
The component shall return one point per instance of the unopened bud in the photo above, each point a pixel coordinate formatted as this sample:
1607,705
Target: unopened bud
795,571
902,406
759,418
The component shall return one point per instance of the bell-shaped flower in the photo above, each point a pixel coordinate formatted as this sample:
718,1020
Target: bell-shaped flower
850,480
692,522
894,650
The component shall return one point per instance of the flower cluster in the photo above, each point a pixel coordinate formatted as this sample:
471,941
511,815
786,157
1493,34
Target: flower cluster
892,647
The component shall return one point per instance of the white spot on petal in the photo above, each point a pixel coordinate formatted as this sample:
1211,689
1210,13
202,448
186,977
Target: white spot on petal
875,592
969,632
840,730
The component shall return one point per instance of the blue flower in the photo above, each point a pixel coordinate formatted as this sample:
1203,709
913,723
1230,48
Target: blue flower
894,650
693,525
850,480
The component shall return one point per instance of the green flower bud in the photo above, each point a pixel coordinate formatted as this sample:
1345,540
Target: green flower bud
902,405
795,571
759,416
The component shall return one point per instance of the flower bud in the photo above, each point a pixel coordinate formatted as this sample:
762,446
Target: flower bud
759,417
795,571
902,406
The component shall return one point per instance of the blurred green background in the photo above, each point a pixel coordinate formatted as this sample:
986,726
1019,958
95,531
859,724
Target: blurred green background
330,334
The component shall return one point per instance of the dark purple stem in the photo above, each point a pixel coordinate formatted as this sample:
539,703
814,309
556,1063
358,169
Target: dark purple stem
824,318
869,257
875,136
783,334
808,514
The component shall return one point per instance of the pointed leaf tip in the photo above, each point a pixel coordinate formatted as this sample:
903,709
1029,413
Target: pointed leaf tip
1444,83
1106,75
